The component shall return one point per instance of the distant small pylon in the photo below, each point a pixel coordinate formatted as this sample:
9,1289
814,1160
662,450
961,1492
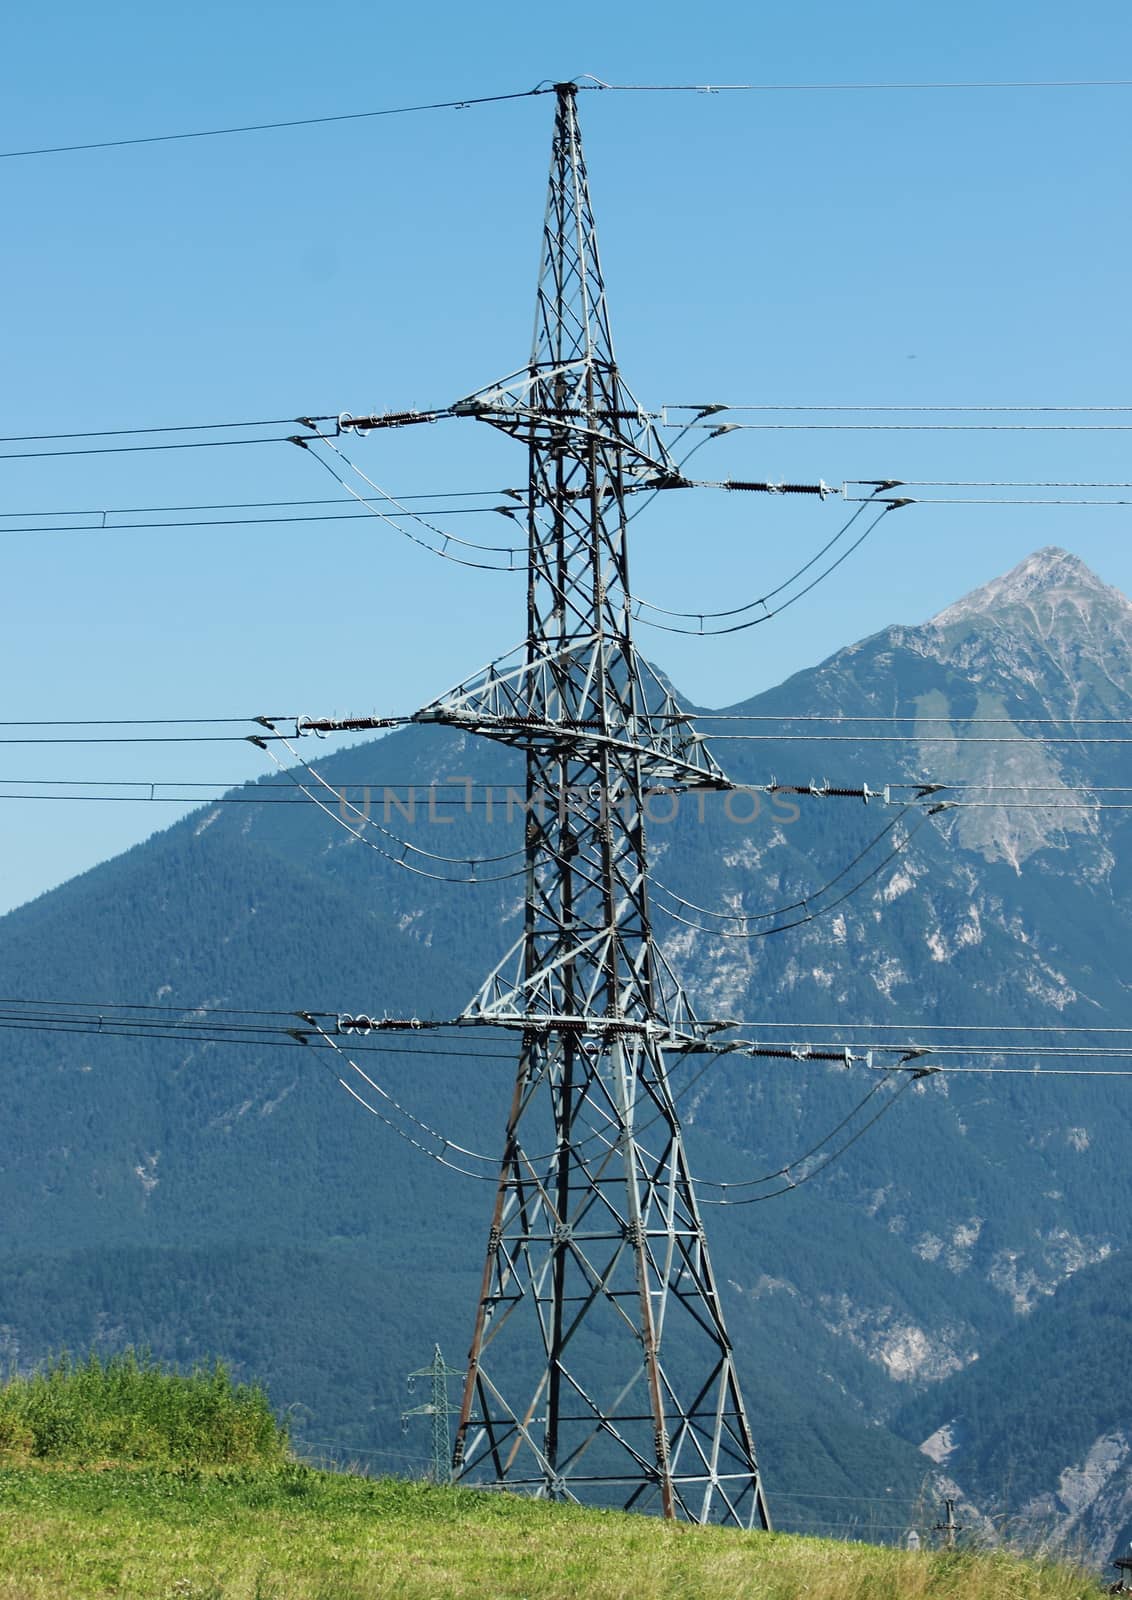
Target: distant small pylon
439,1410
950,1527
1123,1565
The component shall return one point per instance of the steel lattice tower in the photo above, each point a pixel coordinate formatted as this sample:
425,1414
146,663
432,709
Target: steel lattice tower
438,1373
600,1366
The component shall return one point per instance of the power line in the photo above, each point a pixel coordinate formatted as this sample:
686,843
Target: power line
910,738
713,407
179,427
733,738
993,785
856,1499
512,552
374,722
180,800
823,1165
245,522
466,786
1038,1072
439,1156
195,738
132,449
794,88
334,812
998,500
110,1030
994,483
827,491
790,1166
264,127
265,724
406,1455
769,611
251,799
145,1025
898,716
833,1050
1043,805
411,1041
547,88
811,912
299,511
906,427
213,1026
367,821
357,793
256,505
917,1029
145,1005
923,1059
414,1029
130,722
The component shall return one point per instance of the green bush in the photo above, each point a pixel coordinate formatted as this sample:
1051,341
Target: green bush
128,1408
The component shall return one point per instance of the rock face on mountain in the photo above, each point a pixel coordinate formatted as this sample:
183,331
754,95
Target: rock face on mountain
1050,627
1011,904
1003,897
1037,1432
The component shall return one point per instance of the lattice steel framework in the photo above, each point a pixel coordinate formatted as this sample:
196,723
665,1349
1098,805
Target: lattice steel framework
437,1408
601,1367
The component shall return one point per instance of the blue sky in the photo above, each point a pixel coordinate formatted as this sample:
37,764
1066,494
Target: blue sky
788,248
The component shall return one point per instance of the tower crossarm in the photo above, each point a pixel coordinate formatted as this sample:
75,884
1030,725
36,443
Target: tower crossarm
580,402
559,699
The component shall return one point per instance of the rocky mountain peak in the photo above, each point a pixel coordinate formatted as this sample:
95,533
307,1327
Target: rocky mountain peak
1051,581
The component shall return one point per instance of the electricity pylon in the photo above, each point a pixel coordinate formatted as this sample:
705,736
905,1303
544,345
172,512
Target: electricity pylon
437,1407
600,1367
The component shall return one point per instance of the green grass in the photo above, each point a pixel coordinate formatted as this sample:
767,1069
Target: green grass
128,1408
291,1533
119,1478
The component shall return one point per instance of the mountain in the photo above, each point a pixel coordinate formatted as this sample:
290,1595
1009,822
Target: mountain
203,1196
1050,1455
989,913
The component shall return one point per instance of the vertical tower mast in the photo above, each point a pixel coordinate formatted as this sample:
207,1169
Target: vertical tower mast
600,1367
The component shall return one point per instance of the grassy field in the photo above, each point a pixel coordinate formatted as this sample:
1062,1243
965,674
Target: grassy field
291,1533
119,1478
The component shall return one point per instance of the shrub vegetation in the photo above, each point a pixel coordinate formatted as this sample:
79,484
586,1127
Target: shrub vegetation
128,1410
